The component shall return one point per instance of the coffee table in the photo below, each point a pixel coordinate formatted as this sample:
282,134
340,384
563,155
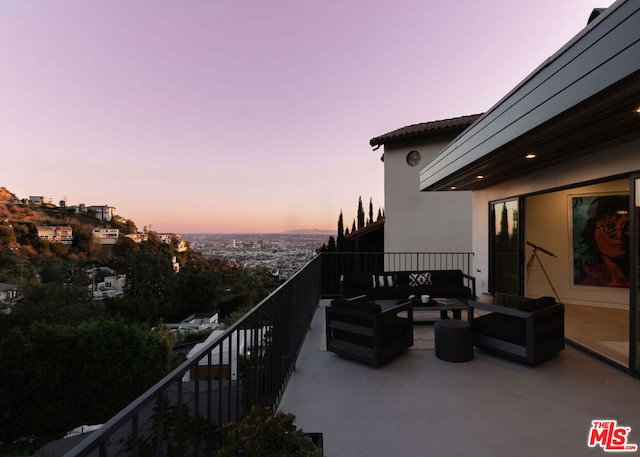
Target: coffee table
444,305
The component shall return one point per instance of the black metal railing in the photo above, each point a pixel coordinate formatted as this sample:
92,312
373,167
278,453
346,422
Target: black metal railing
247,364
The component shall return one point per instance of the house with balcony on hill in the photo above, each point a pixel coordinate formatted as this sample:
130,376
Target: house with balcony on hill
62,234
105,236
9,295
138,237
39,200
103,212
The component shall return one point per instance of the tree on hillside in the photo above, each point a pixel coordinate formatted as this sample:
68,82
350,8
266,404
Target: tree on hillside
331,244
54,303
360,214
150,276
340,239
195,292
7,237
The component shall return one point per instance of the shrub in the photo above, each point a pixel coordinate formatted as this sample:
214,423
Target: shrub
260,434
56,377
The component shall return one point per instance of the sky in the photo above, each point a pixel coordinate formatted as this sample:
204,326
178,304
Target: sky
246,116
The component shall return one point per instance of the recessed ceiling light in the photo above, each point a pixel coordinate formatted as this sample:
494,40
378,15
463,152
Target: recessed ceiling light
479,177
530,156
453,187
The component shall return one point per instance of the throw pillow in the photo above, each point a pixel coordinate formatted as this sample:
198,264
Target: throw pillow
419,279
384,281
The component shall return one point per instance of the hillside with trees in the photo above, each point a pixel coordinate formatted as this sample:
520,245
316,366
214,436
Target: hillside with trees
67,359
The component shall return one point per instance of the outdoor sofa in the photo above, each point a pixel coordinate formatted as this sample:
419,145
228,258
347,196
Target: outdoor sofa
359,329
402,284
524,329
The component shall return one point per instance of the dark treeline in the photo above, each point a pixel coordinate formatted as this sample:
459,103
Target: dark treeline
341,243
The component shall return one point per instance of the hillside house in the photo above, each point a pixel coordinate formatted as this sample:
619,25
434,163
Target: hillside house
8,292
39,200
103,212
112,287
105,235
138,237
56,233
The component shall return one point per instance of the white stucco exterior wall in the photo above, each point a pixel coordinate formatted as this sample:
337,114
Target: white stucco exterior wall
418,221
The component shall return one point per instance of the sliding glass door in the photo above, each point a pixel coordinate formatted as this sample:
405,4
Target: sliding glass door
634,311
505,263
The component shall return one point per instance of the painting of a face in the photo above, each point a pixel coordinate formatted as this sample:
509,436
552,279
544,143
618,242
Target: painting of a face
601,229
611,235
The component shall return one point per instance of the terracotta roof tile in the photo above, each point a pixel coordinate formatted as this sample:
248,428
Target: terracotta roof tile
426,129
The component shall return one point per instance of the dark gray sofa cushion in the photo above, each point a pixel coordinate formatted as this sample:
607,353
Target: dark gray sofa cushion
443,283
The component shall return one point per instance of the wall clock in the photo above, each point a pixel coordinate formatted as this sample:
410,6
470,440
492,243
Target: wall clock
413,158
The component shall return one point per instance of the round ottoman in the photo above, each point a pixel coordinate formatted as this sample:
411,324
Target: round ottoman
454,340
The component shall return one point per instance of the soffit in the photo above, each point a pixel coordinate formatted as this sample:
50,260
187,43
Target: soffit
605,120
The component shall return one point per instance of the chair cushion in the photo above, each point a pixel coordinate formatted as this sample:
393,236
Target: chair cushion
447,277
502,327
361,305
536,304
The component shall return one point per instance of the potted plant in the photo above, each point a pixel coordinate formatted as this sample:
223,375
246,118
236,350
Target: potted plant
261,434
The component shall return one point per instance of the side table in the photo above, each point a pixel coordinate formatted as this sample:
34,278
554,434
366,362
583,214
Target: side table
454,340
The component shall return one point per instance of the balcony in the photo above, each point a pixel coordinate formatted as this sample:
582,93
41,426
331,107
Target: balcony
416,405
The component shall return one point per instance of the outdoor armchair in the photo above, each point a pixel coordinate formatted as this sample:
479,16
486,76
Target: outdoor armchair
361,330
523,329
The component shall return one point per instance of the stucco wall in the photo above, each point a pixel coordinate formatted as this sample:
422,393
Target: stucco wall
547,222
418,221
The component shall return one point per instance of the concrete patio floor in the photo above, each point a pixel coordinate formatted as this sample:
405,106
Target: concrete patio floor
418,405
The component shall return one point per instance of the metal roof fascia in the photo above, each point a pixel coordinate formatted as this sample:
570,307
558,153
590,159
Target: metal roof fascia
580,69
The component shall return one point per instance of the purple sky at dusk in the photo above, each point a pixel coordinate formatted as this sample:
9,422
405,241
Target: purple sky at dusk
224,116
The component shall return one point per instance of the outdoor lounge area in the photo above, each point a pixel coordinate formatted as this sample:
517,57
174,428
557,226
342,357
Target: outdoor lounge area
419,405
415,404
